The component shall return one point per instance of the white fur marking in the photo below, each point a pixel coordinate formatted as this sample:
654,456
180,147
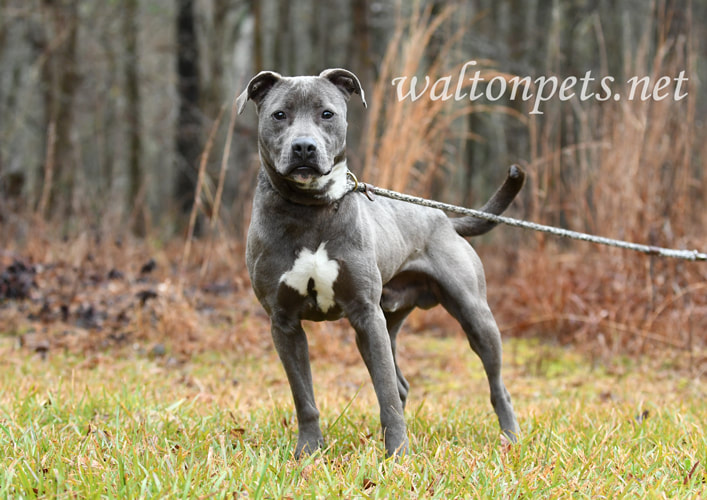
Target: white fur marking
318,267
339,185
338,175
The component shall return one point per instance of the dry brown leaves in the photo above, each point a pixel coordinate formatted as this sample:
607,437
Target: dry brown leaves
88,295
84,297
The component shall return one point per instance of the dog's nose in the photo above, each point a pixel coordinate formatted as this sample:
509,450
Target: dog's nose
304,148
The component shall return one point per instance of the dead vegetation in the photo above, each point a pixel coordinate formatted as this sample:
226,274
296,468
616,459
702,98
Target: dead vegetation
89,295
624,169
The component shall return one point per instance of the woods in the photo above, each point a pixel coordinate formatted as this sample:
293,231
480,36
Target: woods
107,108
130,89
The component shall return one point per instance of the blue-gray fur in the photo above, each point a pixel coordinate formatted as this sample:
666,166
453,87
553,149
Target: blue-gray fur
310,241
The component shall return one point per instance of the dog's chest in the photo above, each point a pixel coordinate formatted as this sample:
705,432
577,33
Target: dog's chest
313,274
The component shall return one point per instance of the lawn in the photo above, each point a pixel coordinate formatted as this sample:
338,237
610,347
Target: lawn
142,423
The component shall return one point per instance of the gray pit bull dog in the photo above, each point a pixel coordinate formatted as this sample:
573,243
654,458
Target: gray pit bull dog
318,251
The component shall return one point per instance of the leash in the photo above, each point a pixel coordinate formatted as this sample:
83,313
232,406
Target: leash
368,190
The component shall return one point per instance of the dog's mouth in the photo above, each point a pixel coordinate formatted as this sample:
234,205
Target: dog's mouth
303,174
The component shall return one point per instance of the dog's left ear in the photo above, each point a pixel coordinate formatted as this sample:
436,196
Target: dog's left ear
257,88
346,81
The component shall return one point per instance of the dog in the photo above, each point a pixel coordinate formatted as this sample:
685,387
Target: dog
318,251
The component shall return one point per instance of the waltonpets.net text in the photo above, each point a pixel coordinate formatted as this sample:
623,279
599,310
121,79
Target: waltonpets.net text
538,90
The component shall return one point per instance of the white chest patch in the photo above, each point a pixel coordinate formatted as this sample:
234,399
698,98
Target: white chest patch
315,266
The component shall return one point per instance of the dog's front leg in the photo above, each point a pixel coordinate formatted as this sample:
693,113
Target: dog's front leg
374,344
291,345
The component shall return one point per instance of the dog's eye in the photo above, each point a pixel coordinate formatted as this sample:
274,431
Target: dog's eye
279,115
327,115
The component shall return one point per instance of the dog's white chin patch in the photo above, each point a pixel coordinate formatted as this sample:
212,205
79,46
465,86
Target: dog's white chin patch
315,266
334,183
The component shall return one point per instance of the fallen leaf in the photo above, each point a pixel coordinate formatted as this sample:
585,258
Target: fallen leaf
148,267
145,295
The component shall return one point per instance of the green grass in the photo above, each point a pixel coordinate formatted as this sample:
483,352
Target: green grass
223,426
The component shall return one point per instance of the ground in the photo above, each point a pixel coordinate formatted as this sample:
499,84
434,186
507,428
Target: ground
222,424
126,374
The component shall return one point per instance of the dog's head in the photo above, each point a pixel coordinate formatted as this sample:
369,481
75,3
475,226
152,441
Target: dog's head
302,129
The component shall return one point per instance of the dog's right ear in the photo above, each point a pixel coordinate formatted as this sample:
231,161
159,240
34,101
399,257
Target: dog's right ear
257,89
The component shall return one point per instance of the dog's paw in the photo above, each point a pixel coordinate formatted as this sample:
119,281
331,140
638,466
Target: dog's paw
308,446
508,439
397,448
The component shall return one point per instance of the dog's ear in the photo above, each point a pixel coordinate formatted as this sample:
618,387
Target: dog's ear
257,88
346,81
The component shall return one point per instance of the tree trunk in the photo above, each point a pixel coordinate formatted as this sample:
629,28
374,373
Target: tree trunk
133,108
360,64
188,132
61,79
284,42
257,35
217,38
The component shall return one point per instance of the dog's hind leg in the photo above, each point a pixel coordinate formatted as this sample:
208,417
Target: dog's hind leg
463,294
394,321
485,339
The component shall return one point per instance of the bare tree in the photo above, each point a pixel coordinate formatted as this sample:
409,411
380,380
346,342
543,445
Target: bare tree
188,132
60,79
133,110
284,43
256,7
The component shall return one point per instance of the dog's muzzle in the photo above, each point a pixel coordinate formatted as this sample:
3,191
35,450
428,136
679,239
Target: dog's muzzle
304,161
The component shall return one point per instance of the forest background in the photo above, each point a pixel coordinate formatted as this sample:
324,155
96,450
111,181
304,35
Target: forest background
110,110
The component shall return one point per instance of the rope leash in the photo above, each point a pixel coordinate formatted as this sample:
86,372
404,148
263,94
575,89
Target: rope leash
691,255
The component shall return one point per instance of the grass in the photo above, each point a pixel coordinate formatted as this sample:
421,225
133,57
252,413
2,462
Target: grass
222,425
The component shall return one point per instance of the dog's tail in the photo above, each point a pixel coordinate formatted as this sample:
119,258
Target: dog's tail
472,226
